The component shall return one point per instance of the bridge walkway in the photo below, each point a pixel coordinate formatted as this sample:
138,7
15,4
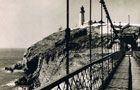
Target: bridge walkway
127,75
135,74
121,77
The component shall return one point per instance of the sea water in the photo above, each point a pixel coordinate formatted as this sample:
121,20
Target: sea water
8,57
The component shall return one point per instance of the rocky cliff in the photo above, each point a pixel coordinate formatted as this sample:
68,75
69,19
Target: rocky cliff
44,61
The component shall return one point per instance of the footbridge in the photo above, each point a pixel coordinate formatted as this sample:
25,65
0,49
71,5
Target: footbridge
118,70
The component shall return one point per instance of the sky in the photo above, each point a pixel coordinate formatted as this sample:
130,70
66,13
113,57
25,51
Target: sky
24,22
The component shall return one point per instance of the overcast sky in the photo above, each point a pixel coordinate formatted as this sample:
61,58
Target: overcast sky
24,22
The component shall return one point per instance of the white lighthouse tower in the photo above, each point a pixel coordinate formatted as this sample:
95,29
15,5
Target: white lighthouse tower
82,17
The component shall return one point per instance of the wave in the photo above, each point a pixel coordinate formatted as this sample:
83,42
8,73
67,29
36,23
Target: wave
11,83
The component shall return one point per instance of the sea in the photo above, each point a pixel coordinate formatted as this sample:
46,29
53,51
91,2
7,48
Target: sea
8,57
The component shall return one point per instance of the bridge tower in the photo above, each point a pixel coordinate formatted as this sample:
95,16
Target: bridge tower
82,17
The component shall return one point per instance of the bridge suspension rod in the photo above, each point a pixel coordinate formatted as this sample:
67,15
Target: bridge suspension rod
90,40
67,37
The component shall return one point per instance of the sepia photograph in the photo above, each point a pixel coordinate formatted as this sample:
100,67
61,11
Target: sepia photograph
69,45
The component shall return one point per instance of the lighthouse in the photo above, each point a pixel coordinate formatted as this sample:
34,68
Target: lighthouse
82,17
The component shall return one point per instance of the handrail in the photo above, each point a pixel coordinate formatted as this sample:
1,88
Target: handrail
76,72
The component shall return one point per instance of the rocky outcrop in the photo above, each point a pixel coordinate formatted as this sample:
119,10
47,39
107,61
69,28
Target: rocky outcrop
44,61
132,29
18,66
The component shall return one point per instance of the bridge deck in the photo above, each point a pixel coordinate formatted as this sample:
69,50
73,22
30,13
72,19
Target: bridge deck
135,74
121,76
120,80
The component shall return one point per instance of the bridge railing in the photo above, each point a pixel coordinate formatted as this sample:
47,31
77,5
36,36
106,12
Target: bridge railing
81,79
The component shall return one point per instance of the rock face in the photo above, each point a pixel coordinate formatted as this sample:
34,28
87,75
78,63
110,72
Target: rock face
44,62
132,29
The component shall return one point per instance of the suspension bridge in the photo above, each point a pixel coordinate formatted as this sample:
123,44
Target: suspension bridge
119,70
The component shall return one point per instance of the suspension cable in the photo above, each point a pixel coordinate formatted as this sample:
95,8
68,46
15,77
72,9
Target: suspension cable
67,37
108,40
102,39
102,28
108,17
90,36
90,39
